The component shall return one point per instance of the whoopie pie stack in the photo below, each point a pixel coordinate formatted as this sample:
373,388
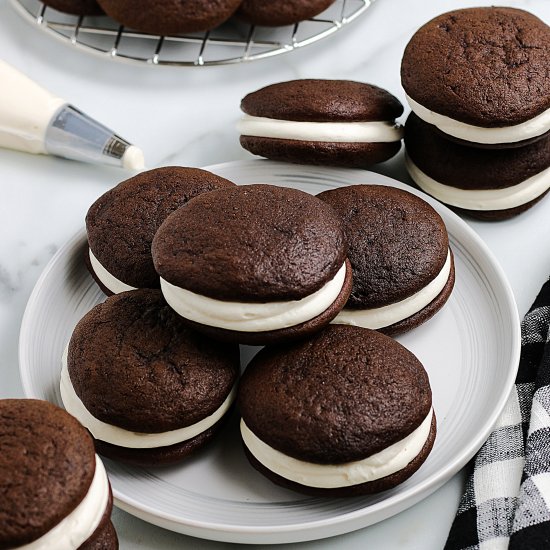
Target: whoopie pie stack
478,84
329,409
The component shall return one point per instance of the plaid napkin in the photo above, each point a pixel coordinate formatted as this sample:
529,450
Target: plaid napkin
506,503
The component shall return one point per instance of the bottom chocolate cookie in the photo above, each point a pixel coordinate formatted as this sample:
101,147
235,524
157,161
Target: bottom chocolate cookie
349,155
158,456
498,215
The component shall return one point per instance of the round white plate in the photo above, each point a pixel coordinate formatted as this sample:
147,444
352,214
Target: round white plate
470,350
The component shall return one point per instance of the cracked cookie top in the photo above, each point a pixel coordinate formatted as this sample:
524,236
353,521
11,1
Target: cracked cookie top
488,67
135,365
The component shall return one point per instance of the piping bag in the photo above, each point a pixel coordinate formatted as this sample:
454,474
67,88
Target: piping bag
35,121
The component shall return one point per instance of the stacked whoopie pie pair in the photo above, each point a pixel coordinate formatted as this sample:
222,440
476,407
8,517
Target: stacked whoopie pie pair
326,409
324,122
478,83
166,17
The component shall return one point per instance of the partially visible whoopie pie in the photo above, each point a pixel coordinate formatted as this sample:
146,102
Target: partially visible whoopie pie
122,222
273,14
403,269
149,389
254,264
55,491
75,7
332,122
488,184
347,412
166,17
481,75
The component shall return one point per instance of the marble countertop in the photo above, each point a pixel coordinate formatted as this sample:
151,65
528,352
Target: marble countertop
187,116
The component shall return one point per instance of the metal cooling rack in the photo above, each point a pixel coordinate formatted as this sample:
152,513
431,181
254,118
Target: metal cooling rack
232,42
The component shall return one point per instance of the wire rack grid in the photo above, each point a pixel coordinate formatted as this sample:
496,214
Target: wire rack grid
232,42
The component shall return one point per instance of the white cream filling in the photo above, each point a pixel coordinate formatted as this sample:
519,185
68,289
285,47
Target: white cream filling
339,132
110,281
252,317
73,530
125,438
330,476
393,313
481,199
477,134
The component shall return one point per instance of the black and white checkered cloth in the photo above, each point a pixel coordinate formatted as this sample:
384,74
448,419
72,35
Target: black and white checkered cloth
506,503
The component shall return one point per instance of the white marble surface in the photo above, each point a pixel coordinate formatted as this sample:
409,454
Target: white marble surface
187,116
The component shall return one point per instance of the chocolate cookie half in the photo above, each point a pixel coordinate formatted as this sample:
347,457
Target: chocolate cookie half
347,412
149,389
55,491
274,14
121,224
403,269
166,17
75,7
332,122
481,75
254,263
489,184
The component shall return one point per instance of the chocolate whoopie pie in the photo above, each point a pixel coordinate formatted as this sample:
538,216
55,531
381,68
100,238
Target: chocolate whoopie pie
75,7
286,12
487,184
165,17
481,75
121,224
55,491
403,269
347,412
332,122
254,264
150,390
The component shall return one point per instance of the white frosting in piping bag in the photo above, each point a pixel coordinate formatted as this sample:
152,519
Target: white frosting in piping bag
33,120
26,109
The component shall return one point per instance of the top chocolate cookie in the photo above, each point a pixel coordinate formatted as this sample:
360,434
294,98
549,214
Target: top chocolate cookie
486,67
316,100
121,223
170,16
251,243
47,465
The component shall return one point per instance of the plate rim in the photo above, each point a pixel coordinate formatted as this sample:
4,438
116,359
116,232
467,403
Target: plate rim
348,521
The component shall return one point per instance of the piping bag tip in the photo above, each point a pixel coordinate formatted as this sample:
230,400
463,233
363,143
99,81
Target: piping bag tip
133,159
74,135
